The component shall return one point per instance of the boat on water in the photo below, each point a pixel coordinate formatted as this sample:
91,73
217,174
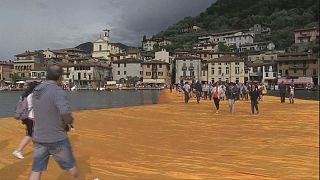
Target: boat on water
74,88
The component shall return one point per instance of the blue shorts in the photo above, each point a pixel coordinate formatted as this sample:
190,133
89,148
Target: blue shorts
61,152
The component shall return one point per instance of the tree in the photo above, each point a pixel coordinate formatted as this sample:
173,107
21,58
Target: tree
15,78
132,80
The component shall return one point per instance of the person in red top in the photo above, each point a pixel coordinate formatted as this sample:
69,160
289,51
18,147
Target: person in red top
216,96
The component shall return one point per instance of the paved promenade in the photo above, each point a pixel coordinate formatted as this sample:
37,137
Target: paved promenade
188,141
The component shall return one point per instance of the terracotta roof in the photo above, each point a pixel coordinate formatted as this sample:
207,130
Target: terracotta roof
188,58
307,29
154,62
83,64
297,56
69,49
133,51
27,53
127,60
8,63
227,58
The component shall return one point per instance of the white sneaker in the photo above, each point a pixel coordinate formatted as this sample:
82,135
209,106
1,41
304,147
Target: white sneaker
217,111
18,154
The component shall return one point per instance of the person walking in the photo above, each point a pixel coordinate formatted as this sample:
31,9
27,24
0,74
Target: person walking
223,92
205,90
198,89
282,89
291,93
28,122
186,90
231,96
254,97
52,120
210,91
216,96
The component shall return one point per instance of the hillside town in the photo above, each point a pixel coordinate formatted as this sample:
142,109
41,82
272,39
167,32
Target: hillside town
151,65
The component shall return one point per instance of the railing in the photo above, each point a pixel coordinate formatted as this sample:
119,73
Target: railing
255,74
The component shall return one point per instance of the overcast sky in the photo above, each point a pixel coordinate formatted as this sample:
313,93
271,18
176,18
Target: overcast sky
42,24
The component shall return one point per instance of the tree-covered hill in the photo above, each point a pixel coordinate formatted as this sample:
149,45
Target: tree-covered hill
283,16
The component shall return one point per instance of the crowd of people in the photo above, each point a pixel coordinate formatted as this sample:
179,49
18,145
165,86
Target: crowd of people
231,92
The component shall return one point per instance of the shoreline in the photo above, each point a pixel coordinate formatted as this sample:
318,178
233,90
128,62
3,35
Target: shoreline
177,140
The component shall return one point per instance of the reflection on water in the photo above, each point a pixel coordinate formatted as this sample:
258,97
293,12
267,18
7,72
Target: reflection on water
80,100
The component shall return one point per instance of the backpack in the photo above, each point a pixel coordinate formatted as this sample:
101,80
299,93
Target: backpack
22,110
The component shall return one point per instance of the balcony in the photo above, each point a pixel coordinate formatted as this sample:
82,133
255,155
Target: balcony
298,66
187,77
255,74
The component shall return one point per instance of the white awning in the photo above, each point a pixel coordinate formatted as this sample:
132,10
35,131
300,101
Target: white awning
111,82
20,82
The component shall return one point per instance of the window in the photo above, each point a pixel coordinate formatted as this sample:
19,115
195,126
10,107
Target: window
125,72
280,63
148,73
280,72
141,72
203,73
184,73
100,47
227,70
227,80
212,70
148,66
160,65
304,72
205,55
118,72
314,71
84,75
237,70
125,64
295,71
267,74
219,64
226,64
160,73
219,71
272,57
237,63
287,72
118,65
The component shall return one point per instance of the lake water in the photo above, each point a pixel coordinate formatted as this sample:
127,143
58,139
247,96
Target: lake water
81,100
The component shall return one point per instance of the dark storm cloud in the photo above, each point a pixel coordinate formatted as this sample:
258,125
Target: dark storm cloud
41,24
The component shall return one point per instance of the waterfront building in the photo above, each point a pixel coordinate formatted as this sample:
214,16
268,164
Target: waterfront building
156,72
148,44
257,46
306,35
38,74
227,68
188,68
123,68
260,29
25,62
6,72
295,65
239,38
50,54
86,72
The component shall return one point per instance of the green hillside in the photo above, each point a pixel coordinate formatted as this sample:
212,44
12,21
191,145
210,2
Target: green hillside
283,16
